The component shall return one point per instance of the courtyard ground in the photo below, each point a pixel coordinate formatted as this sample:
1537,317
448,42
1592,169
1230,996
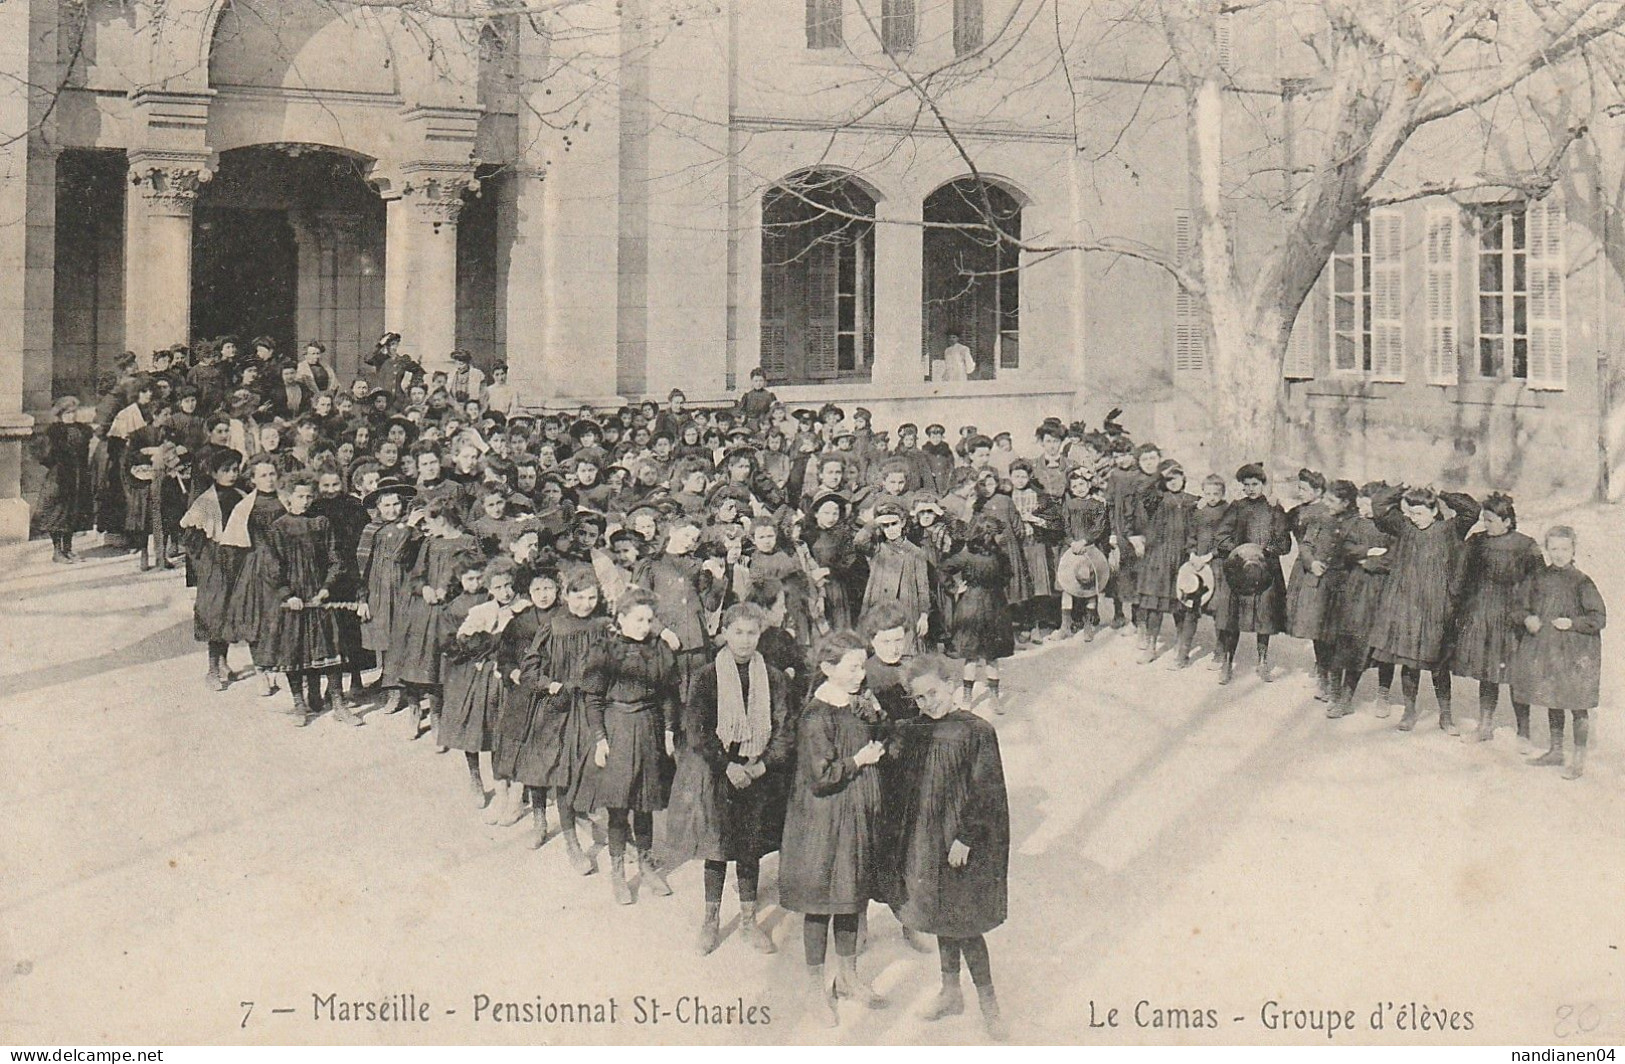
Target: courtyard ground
170,853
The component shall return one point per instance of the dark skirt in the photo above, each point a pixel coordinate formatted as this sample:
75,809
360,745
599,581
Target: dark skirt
634,776
305,639
1486,639
252,609
216,569
468,713
1308,598
981,628
546,738
1263,613
709,820
416,645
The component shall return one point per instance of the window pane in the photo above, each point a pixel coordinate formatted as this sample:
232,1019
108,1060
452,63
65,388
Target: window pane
1520,271
1489,232
1345,351
1489,315
1489,273
1520,358
1343,312
1520,315
1518,219
1345,244
1343,275
1489,357
1365,272
1365,347
846,352
847,314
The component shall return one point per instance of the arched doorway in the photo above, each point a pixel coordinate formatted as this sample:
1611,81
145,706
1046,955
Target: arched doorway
288,242
972,277
818,279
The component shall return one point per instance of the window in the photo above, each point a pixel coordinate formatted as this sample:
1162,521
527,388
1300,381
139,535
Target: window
1443,360
818,248
897,27
1190,326
1367,304
824,24
971,274
1520,294
967,26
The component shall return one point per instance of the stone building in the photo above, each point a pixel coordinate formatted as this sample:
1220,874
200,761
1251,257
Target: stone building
622,198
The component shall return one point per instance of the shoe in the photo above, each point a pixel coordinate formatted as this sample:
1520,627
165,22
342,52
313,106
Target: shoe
1486,728
917,942
849,984
1553,755
820,999
1408,720
1577,764
394,703
538,828
343,714
514,811
710,936
992,1020
651,876
948,1002
755,935
617,881
1447,723
476,791
1264,673
300,713
1227,672
1322,688
582,862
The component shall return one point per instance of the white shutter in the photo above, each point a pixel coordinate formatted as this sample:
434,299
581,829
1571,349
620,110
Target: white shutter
1300,346
1387,295
1443,359
1548,356
1190,333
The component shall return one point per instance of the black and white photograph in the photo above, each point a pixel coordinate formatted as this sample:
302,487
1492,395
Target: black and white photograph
726,523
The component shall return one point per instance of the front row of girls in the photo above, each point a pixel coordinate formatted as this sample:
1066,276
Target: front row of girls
1396,578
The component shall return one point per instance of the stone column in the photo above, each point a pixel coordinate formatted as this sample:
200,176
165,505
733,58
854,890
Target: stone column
420,264
15,425
899,275
158,248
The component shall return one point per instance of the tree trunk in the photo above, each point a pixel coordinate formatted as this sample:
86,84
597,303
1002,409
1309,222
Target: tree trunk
1246,394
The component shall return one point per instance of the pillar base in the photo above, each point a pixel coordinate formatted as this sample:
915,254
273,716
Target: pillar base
14,521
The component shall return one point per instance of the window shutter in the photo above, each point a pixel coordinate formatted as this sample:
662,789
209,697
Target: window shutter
1190,334
1443,359
897,25
824,23
1223,44
1548,356
1300,346
1387,296
775,306
823,259
967,26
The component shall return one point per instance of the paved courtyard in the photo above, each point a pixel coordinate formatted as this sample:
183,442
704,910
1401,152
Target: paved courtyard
169,853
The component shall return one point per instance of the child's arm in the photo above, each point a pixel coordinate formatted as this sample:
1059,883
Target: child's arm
1466,510
831,771
1592,615
700,720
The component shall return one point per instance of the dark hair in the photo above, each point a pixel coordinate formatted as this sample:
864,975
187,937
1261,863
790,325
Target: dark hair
1345,490
320,347
1312,478
631,599
939,665
747,611
299,478
1420,497
764,591
837,645
1500,504
883,616
1252,471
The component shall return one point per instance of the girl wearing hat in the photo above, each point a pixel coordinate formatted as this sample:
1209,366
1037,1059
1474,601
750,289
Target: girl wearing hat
440,552
1318,525
1169,533
1499,560
996,505
841,572
1037,528
1428,528
1252,539
1086,523
66,497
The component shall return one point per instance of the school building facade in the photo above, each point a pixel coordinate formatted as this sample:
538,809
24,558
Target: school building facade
619,199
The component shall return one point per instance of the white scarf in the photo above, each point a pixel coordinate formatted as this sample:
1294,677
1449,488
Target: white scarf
204,515
749,726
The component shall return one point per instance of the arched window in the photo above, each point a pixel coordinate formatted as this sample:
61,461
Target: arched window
818,279
972,284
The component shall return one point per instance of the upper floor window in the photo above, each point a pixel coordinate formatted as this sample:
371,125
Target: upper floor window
897,25
967,26
1367,298
824,24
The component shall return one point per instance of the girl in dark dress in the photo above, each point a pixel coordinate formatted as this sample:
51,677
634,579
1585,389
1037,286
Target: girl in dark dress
216,538
834,549
253,607
955,838
468,721
1086,523
1257,529
383,559
995,504
305,635
66,497
1499,559
727,801
550,735
631,696
686,592
981,635
442,553
830,865
531,610
777,645
348,519
1205,522
1361,558
1318,526
1414,622
1169,534
1559,661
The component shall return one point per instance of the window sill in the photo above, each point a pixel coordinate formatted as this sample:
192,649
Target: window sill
857,391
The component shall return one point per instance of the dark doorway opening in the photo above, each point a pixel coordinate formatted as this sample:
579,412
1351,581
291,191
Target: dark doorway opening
245,275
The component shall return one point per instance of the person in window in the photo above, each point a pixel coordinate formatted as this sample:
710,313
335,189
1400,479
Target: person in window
956,363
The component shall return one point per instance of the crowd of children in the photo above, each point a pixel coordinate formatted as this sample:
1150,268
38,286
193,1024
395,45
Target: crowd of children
770,624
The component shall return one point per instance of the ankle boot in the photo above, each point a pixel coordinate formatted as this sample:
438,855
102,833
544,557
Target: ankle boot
948,1002
1323,692
538,827
617,880
1577,764
584,864
1554,752
514,811
1227,671
476,788
1342,701
710,933
1408,720
916,941
498,804
268,683
1447,723
1264,666
849,984
1486,724
1148,649
992,1019
755,935
342,712
300,713
820,1000
651,874
395,701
